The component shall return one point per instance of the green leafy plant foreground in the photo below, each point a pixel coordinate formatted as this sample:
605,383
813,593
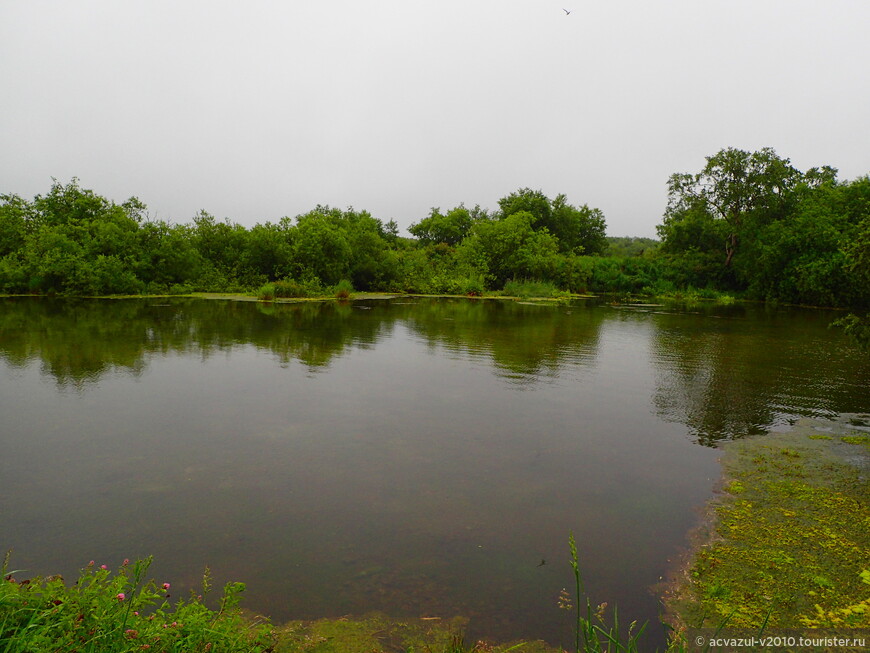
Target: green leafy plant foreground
105,611
114,612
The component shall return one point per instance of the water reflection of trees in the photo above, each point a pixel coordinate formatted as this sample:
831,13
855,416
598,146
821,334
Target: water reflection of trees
524,341
724,374
77,341
741,371
81,340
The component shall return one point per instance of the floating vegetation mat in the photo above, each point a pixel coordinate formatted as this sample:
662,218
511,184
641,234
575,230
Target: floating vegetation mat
787,541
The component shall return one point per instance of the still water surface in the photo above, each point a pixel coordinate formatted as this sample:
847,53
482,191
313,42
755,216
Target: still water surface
417,457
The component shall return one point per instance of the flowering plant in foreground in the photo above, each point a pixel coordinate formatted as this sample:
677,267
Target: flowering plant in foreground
113,612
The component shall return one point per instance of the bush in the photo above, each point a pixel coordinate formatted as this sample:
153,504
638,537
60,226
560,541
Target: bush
13,277
343,289
625,275
857,326
529,288
474,286
266,292
575,272
180,289
293,288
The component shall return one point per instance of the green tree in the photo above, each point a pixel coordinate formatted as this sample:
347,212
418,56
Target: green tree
168,256
577,230
801,259
82,243
269,249
450,228
222,247
321,247
531,201
580,230
391,232
857,248
511,248
331,245
15,213
372,266
627,246
737,191
691,248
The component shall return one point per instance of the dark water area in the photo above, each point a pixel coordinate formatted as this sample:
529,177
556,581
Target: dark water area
416,457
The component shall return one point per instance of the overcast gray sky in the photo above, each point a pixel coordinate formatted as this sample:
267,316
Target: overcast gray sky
257,109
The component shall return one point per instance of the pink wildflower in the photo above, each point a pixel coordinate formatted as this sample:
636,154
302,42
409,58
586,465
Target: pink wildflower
126,561
103,567
132,634
121,596
166,586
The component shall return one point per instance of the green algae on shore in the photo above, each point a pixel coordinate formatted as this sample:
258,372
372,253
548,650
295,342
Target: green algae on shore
378,633
787,544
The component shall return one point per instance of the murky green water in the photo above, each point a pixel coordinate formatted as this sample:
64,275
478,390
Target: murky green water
417,457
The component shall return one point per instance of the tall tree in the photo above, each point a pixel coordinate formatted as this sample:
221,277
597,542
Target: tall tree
576,230
532,201
580,230
450,228
738,191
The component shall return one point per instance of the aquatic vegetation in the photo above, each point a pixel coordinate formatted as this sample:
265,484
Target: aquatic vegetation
378,632
791,538
735,487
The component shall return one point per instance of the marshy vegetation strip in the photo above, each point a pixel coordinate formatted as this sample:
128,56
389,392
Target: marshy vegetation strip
787,542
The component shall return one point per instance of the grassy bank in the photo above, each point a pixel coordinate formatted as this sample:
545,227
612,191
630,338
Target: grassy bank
788,541
121,612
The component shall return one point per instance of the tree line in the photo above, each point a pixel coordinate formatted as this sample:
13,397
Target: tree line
73,241
748,223
752,223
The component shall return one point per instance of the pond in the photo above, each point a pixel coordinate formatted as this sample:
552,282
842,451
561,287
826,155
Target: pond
418,457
